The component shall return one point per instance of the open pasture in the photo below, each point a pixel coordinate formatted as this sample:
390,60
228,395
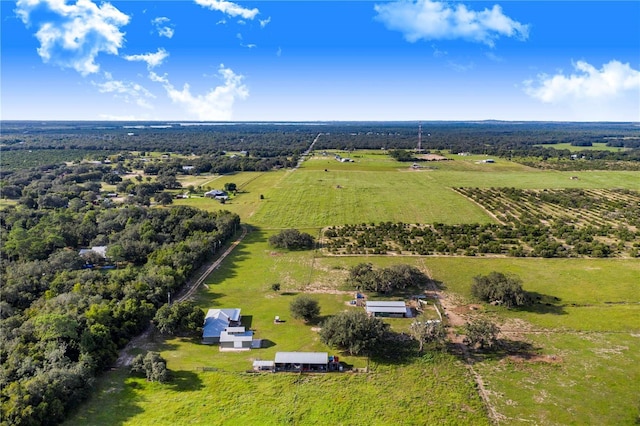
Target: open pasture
310,198
587,321
596,146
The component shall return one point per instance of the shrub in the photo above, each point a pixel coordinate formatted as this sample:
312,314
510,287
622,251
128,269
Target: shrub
292,239
305,307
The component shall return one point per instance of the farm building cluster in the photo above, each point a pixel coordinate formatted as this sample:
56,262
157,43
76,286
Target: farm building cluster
224,328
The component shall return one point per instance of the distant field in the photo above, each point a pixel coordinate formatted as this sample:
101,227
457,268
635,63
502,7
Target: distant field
346,193
597,146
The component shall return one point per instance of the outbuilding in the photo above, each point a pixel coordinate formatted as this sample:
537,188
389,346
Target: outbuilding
302,361
387,308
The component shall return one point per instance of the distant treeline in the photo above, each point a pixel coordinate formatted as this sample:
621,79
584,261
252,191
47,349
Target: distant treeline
268,140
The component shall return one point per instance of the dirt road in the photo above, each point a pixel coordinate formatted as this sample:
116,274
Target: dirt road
142,340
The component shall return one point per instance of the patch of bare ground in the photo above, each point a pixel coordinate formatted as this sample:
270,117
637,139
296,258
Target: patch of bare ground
526,358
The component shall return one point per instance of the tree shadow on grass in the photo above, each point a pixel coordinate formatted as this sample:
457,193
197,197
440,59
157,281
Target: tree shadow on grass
396,349
543,304
503,348
185,381
317,321
266,343
289,293
246,321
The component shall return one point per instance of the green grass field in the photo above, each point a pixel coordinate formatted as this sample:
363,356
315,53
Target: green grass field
597,146
585,334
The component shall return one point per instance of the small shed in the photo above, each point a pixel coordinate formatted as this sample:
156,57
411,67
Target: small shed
264,365
387,308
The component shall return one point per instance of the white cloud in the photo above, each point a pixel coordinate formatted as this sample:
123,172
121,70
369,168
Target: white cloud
264,22
152,59
77,34
434,20
612,80
229,8
130,92
437,53
216,104
162,29
458,67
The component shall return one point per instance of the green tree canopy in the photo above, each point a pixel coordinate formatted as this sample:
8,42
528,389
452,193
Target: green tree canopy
353,331
179,318
152,365
292,239
501,288
482,333
305,307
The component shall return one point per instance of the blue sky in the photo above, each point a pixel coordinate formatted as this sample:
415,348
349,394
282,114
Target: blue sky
216,60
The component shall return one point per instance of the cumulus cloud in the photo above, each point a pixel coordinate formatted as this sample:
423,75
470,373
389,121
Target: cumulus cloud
216,104
164,30
152,59
264,22
73,35
588,82
130,92
228,8
435,20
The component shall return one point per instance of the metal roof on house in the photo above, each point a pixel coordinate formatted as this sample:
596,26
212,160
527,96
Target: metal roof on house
217,320
225,336
302,358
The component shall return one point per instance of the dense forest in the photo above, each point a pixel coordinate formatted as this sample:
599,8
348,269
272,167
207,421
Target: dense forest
527,142
66,311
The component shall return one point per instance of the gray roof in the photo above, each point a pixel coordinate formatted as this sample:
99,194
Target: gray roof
391,310
225,336
386,303
302,358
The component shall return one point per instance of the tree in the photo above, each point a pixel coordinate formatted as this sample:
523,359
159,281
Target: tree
179,318
275,287
292,239
305,307
354,331
428,332
163,198
481,332
498,287
152,365
230,187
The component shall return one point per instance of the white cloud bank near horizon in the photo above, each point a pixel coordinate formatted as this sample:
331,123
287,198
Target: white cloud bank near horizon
614,79
216,104
435,20
81,32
